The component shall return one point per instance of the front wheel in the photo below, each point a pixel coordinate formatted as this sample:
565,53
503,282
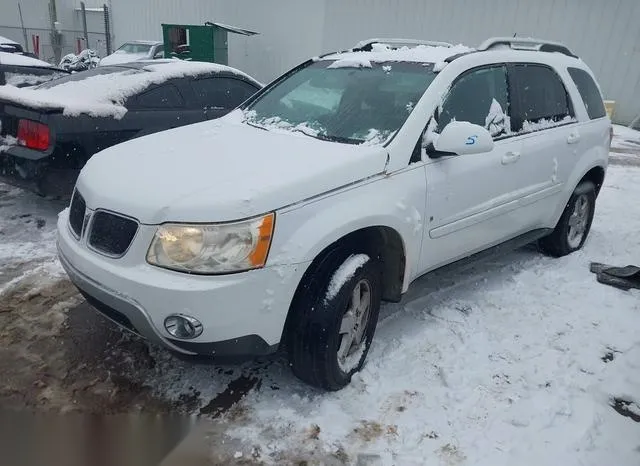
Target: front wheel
336,313
574,225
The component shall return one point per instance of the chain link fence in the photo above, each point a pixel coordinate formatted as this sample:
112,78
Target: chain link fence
40,42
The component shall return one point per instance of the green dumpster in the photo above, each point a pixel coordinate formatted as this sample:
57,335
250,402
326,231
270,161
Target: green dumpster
195,42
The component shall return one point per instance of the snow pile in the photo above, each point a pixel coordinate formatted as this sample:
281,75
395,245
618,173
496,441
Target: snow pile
17,59
544,123
344,273
313,129
497,121
384,53
20,79
7,142
351,63
104,95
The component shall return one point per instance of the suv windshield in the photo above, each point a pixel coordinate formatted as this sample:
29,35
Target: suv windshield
343,101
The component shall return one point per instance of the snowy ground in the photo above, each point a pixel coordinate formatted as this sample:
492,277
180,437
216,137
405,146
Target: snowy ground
519,361
625,146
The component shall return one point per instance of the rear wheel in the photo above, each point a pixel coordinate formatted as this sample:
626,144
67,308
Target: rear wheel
335,317
574,225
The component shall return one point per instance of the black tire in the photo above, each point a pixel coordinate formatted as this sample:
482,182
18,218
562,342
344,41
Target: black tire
559,243
313,336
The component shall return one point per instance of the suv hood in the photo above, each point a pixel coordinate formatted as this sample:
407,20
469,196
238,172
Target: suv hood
220,170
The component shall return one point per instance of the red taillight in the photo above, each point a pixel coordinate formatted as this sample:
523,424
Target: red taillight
33,135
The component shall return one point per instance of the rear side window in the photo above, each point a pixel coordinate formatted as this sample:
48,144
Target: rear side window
589,92
221,92
161,97
539,98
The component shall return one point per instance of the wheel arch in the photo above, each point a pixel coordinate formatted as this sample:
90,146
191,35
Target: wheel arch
382,242
596,176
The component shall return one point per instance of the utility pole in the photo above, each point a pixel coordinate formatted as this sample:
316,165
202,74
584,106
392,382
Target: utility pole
84,25
107,27
24,30
56,36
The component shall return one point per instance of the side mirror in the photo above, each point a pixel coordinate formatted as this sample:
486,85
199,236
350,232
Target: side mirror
463,138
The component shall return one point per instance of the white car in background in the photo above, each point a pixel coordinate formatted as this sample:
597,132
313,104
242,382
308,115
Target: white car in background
284,224
133,51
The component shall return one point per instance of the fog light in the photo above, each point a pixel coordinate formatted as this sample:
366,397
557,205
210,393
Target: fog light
182,326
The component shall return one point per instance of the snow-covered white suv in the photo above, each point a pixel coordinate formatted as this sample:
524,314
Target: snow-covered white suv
285,223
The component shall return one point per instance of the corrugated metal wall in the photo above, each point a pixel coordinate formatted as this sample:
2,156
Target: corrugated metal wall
605,34
36,20
289,29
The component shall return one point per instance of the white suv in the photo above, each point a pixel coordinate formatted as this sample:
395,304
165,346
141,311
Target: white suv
287,222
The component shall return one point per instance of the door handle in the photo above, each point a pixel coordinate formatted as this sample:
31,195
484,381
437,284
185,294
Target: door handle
510,157
573,138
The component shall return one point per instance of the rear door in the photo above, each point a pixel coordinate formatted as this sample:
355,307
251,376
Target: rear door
543,121
158,108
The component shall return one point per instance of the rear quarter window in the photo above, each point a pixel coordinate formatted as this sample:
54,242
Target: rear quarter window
539,97
589,92
165,96
221,92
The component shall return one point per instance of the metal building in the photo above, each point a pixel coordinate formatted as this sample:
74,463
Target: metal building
38,19
606,34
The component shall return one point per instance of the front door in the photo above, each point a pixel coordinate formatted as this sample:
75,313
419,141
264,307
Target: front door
471,199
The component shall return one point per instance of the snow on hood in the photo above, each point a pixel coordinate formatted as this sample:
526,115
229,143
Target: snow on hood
104,95
384,53
18,59
119,57
220,170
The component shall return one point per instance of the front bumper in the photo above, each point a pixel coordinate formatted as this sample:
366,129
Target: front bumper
243,314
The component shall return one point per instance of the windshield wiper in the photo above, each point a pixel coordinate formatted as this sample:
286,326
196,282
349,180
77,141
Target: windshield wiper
255,125
342,139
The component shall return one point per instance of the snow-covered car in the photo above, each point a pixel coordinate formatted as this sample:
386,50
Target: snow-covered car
22,71
134,51
51,130
10,46
284,224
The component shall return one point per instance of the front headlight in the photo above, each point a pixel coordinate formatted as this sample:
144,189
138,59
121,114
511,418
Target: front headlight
212,248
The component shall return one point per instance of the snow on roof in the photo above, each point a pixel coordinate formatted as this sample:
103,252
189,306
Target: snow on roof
384,53
4,40
145,42
104,95
18,59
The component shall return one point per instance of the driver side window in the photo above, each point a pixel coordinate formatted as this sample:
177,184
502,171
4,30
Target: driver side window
480,97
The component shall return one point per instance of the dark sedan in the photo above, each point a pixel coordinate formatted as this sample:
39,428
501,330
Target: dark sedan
48,132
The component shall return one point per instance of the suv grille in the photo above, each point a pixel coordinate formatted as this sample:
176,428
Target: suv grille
76,213
111,234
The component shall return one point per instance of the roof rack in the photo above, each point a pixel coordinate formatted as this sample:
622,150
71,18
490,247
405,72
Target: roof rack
526,43
366,45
